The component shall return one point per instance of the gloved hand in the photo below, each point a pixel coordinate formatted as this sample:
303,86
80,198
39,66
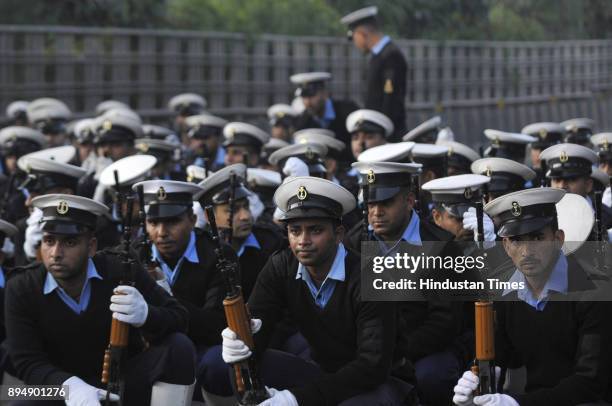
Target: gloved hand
464,390
81,393
8,248
255,205
234,349
295,167
606,198
279,398
495,399
128,306
33,233
470,222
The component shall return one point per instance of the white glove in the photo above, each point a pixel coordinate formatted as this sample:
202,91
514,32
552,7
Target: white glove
295,167
255,205
279,398
81,393
8,248
464,390
606,198
495,399
200,217
470,222
128,306
33,233
445,135
234,349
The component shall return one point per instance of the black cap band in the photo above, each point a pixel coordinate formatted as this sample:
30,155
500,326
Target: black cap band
524,220
243,139
313,206
568,168
116,134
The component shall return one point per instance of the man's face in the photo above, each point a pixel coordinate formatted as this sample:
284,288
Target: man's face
360,138
535,158
389,217
450,223
204,145
171,234
314,241
84,150
606,167
534,254
581,185
234,154
360,39
56,140
65,256
10,162
115,150
315,104
242,224
282,133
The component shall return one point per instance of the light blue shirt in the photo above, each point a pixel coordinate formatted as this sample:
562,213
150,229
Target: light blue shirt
190,254
329,115
376,49
557,282
80,306
250,241
2,280
322,294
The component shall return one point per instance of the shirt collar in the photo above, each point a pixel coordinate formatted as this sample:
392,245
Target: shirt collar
220,157
337,271
190,254
250,241
411,233
330,113
51,283
380,45
557,282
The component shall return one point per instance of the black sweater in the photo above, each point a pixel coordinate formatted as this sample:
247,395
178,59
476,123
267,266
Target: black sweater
200,288
386,88
351,340
48,343
565,348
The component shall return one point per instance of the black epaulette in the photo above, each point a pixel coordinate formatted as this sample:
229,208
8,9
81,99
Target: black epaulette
11,272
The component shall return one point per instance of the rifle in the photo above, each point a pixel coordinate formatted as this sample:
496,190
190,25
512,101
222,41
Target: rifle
484,364
231,201
249,386
114,355
119,199
152,266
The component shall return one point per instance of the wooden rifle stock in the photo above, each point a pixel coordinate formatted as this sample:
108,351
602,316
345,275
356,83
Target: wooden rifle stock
484,364
112,373
249,386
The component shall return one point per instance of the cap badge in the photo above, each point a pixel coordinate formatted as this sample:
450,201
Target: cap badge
450,151
62,207
309,153
543,133
107,125
302,193
231,133
467,193
370,176
161,193
388,87
495,142
144,147
604,146
488,172
303,141
563,157
516,209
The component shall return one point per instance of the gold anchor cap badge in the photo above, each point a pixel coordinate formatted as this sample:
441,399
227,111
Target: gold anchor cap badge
62,207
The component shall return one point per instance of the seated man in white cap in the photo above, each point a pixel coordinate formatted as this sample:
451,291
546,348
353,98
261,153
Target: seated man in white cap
430,327
321,109
184,105
547,322
569,167
507,145
59,312
204,133
426,132
546,134
316,283
186,255
16,114
253,243
243,143
50,117
579,131
368,129
282,121
386,80
506,176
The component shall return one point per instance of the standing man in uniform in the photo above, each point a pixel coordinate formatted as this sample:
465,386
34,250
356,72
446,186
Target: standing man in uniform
386,82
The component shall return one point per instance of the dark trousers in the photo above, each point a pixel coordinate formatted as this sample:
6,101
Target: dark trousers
172,361
282,370
437,374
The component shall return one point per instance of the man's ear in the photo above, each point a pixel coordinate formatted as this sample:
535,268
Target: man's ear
506,242
93,246
437,216
193,218
560,236
589,185
340,230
